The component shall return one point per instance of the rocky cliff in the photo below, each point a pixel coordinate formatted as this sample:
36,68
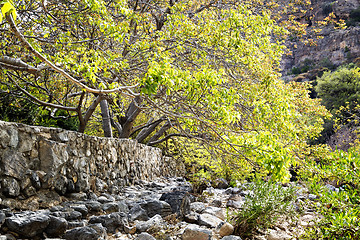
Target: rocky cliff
335,46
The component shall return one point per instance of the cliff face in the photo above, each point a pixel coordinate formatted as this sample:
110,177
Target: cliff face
337,46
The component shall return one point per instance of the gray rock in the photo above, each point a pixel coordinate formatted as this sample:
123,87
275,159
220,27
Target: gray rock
234,204
231,237
91,232
137,213
80,208
179,202
94,206
215,211
209,220
2,218
331,187
220,183
192,217
143,226
78,196
198,207
312,197
13,163
76,224
224,229
35,180
28,224
57,227
60,184
216,203
145,236
10,187
123,207
194,232
153,207
110,207
232,190
111,221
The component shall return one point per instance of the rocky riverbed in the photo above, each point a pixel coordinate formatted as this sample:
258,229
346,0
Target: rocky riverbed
165,209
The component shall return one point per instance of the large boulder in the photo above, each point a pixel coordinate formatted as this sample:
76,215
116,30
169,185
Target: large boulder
179,202
28,224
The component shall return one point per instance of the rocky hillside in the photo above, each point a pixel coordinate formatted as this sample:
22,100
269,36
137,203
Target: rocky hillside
335,46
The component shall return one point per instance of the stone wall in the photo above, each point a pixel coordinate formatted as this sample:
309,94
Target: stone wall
36,158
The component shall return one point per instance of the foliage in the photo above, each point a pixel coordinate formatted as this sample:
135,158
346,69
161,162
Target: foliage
263,206
341,208
339,87
206,71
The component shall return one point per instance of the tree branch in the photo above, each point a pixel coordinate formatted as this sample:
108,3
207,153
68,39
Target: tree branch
167,137
61,71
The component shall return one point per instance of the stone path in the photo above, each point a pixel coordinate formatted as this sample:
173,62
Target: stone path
164,210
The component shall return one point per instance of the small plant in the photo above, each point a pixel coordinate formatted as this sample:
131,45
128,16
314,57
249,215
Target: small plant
266,202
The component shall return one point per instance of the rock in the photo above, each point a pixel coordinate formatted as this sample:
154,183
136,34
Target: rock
10,187
13,163
192,217
234,204
35,180
123,207
78,196
215,211
209,220
220,183
154,207
231,237
93,206
76,224
60,184
278,235
111,221
312,197
216,203
193,232
232,190
137,213
179,202
198,207
48,199
143,226
57,226
80,208
91,232
331,188
2,218
224,229
145,236
110,207
28,224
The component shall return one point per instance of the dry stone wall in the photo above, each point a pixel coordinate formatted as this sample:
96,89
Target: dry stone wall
34,159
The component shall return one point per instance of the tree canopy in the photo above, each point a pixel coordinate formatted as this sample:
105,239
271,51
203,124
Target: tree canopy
203,70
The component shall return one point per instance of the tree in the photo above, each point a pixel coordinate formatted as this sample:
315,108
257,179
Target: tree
204,70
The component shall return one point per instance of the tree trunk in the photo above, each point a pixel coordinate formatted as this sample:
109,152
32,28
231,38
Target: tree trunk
131,114
106,122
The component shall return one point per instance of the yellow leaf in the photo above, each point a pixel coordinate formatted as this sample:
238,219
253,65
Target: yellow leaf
8,7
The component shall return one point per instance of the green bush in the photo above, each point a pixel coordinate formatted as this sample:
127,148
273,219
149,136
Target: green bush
266,202
340,209
338,88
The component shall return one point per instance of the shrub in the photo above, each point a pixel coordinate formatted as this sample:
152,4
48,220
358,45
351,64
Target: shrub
266,202
340,208
339,87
